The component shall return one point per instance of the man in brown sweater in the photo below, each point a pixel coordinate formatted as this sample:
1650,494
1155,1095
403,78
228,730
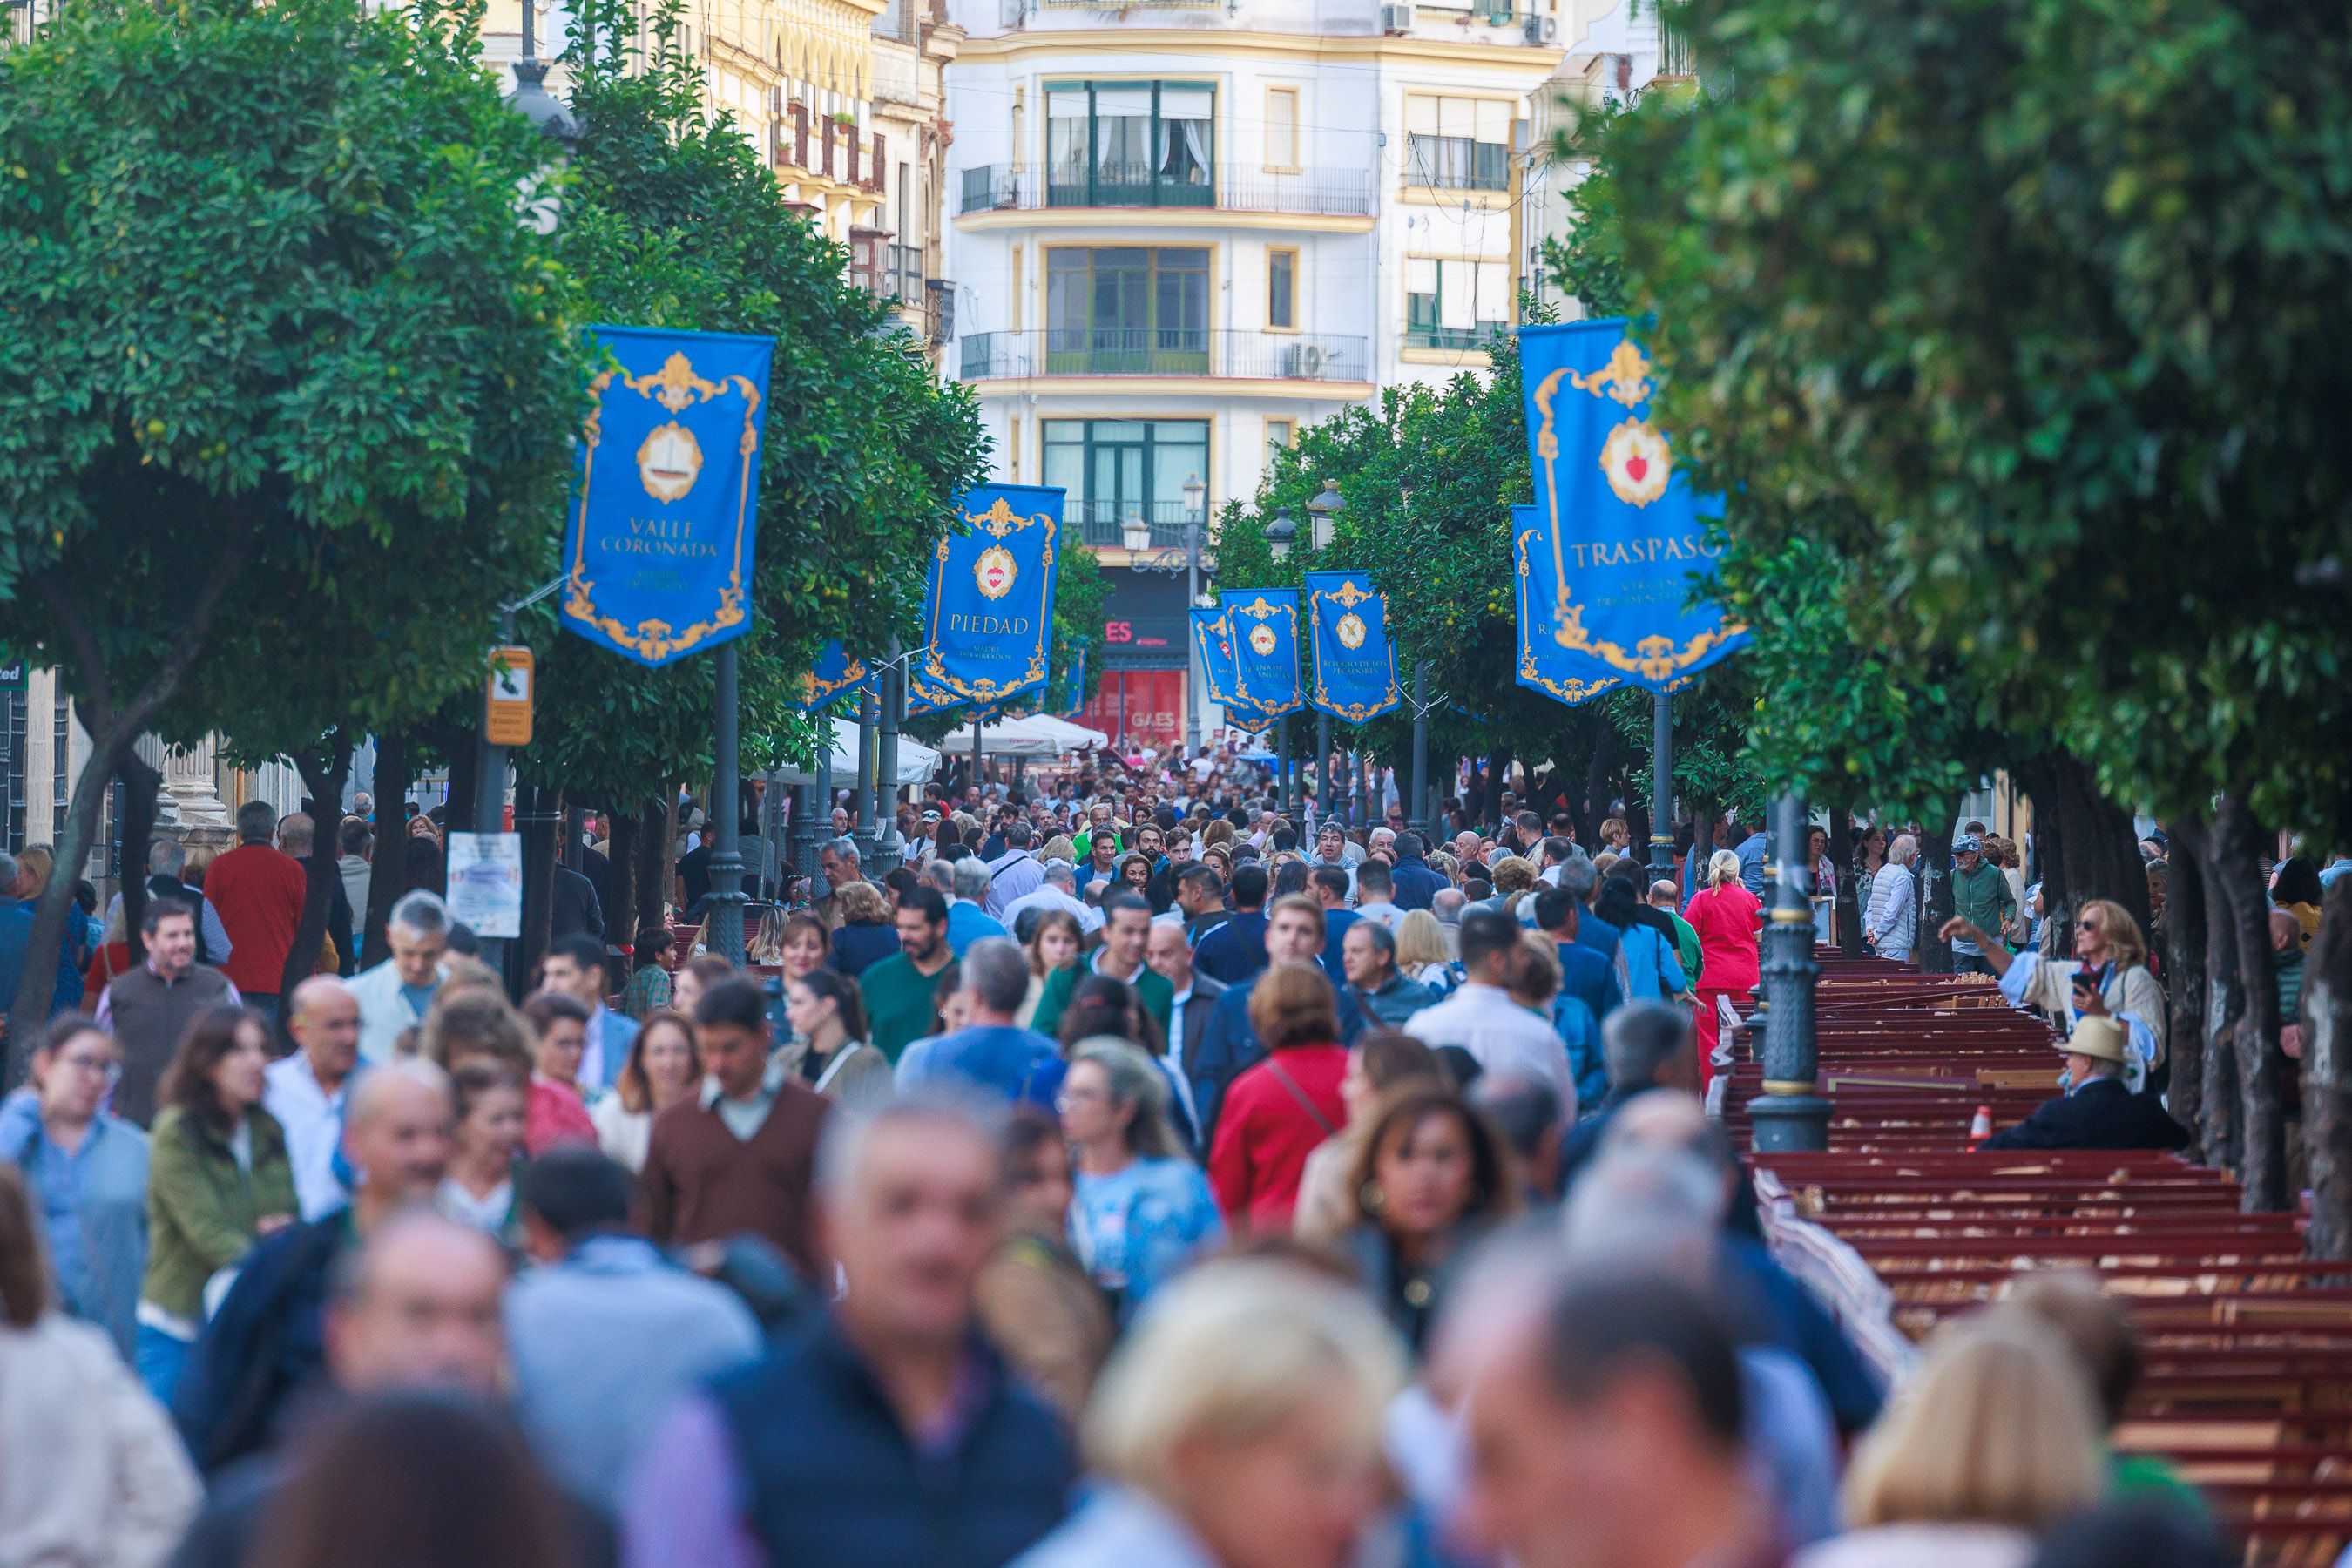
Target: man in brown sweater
741,1156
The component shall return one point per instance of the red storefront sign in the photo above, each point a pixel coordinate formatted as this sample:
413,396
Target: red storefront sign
1138,707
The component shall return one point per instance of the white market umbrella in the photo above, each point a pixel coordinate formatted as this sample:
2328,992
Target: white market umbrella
917,761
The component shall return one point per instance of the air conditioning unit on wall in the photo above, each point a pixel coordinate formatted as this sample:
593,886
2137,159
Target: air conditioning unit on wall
1396,18
1541,30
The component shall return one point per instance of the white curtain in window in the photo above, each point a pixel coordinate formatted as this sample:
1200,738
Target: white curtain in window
1494,297
1420,275
1493,121
1456,296
1420,115
1184,114
1113,102
1457,116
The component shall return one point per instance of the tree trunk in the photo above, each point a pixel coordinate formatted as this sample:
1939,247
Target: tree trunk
1849,890
2184,962
465,773
2236,875
1932,953
322,776
1591,804
653,865
536,809
2084,843
388,874
113,727
620,831
2220,1123
140,783
2328,1075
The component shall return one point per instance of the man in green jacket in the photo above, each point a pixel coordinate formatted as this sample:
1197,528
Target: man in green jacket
1127,931
1980,895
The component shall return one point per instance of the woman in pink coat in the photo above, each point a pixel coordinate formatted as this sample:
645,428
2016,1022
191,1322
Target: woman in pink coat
1724,913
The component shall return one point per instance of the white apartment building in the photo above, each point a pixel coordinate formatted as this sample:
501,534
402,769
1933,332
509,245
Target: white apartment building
1181,230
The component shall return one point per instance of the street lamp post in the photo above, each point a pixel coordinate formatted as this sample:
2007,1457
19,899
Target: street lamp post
1791,1114
889,848
1280,535
1662,788
1417,809
725,935
1196,522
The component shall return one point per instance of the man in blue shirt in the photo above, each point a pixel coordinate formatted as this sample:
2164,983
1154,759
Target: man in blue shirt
968,919
1751,852
1579,880
1236,951
1415,882
1328,884
992,1050
607,1333
1583,972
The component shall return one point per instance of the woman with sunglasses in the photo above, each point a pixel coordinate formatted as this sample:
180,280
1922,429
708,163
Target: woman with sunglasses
86,1172
2107,977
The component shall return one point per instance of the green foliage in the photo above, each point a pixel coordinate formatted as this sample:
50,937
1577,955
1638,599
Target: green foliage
269,313
2029,312
669,218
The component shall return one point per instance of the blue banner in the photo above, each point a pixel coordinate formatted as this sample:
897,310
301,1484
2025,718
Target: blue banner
1078,689
1614,551
988,610
924,698
836,673
1355,663
1212,641
658,550
1264,626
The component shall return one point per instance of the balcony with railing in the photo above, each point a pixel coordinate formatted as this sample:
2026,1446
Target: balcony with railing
1233,354
893,273
1335,192
1109,523
1479,338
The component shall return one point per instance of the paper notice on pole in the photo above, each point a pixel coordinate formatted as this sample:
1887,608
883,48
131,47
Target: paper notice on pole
486,883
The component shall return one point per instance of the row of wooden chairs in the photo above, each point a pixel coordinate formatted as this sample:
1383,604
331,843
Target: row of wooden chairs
2248,1382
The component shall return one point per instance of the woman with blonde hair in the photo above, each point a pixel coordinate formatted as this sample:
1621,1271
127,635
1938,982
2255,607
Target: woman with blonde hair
1994,1437
1726,915
1422,952
1239,1424
2107,977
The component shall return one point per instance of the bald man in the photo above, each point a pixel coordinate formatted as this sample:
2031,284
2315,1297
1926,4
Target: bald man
263,1348
308,1091
416,1309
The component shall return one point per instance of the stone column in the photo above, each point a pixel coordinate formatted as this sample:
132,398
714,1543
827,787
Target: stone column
191,785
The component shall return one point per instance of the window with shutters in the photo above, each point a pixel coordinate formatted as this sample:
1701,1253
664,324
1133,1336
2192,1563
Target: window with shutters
1452,304
1282,288
1457,144
1282,130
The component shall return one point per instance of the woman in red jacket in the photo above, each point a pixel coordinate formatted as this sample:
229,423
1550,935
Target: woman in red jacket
1278,1112
1724,914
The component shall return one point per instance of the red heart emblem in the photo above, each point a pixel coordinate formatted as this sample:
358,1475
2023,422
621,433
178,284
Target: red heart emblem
1635,467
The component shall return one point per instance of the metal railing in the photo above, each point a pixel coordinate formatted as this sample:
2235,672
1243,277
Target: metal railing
1164,350
1340,192
1104,523
1482,337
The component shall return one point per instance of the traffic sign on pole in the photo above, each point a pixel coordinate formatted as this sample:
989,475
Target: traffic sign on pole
509,694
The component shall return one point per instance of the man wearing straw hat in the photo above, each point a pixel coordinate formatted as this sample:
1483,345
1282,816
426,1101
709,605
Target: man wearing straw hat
2096,1111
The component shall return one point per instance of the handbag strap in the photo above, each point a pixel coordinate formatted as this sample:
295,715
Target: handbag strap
1282,1075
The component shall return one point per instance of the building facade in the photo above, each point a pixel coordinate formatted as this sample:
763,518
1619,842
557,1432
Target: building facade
1180,232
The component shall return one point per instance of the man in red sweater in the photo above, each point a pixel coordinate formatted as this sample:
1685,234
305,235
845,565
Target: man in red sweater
259,891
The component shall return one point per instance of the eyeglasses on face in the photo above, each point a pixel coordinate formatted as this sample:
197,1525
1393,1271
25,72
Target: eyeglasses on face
2091,926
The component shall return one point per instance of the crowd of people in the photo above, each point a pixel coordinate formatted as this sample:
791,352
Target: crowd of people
1127,1177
